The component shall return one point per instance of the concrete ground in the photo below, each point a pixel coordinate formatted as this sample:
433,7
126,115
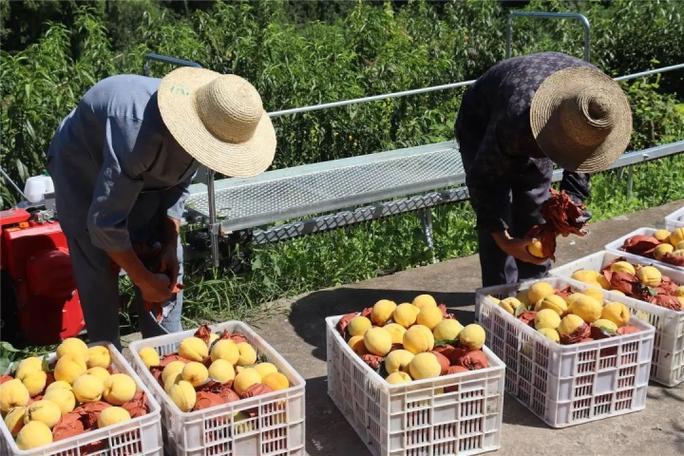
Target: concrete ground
298,333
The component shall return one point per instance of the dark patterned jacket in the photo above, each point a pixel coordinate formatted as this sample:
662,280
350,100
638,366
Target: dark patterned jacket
495,138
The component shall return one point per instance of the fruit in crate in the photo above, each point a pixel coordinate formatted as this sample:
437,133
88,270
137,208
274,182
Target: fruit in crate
662,246
68,396
112,415
418,340
382,311
645,283
230,369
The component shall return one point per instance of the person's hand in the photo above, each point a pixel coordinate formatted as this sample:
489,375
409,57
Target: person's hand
155,288
517,248
168,263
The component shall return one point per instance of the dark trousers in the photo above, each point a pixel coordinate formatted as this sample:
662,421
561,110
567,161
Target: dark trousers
528,192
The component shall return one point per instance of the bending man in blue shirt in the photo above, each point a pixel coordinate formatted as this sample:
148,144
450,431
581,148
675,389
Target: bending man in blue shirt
521,117
122,162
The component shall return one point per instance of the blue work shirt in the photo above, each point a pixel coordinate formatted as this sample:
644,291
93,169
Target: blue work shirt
117,170
495,138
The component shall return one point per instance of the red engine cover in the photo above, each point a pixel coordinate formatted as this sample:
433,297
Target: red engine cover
36,257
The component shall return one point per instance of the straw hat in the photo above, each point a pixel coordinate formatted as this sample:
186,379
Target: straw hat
581,119
218,119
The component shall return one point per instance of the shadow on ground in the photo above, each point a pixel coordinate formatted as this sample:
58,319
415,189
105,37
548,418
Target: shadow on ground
308,314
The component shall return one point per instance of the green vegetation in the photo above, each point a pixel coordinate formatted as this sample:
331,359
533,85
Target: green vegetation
301,53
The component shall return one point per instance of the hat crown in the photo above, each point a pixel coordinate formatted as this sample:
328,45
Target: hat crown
588,116
230,108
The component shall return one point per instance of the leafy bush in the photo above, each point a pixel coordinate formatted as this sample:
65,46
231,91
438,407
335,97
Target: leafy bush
300,54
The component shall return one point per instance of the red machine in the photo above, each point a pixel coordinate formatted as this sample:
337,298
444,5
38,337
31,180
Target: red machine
38,288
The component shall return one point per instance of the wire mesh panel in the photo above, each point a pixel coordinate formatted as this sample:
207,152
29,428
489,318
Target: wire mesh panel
303,190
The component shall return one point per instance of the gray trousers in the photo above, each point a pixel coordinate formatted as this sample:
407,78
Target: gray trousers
97,280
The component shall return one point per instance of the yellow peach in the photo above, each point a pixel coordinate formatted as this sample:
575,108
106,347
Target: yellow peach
679,291
64,398
595,293
99,356
396,378
120,388
538,291
34,381
221,371
424,300
14,420
27,365
225,349
88,388
74,347
430,317
398,360
195,373
358,326
183,395
569,325
661,235
546,318
536,248
549,333
112,415
382,311
265,368
472,337
13,393
172,369
69,368
396,331
248,354
193,349
676,236
378,341
34,434
245,379
149,356
623,266
616,312
59,384
356,344
662,250
276,381
649,276
405,314
586,307
553,302
45,411
605,324
418,338
510,304
100,372
447,329
424,365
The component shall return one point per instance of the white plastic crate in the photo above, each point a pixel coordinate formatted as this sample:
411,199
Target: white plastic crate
667,365
277,427
616,247
675,220
566,385
141,436
457,414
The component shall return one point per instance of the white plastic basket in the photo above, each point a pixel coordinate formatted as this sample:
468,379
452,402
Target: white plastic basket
667,365
141,436
616,247
418,418
675,220
566,385
277,427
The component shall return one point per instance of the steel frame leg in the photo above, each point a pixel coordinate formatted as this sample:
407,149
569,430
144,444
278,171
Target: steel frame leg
426,221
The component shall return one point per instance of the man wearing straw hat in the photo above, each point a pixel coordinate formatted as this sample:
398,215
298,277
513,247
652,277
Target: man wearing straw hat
122,162
521,117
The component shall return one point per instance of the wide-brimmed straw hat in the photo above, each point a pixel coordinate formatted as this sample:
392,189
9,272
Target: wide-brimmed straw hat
218,119
581,119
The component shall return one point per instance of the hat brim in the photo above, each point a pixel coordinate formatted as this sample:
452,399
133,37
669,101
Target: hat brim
547,128
177,105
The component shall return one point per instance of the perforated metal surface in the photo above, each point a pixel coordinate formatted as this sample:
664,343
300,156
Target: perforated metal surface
283,194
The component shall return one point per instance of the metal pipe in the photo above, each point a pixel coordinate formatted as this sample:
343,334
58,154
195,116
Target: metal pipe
544,14
627,77
9,179
213,226
336,104
166,59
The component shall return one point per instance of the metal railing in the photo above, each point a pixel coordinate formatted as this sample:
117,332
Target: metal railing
549,15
